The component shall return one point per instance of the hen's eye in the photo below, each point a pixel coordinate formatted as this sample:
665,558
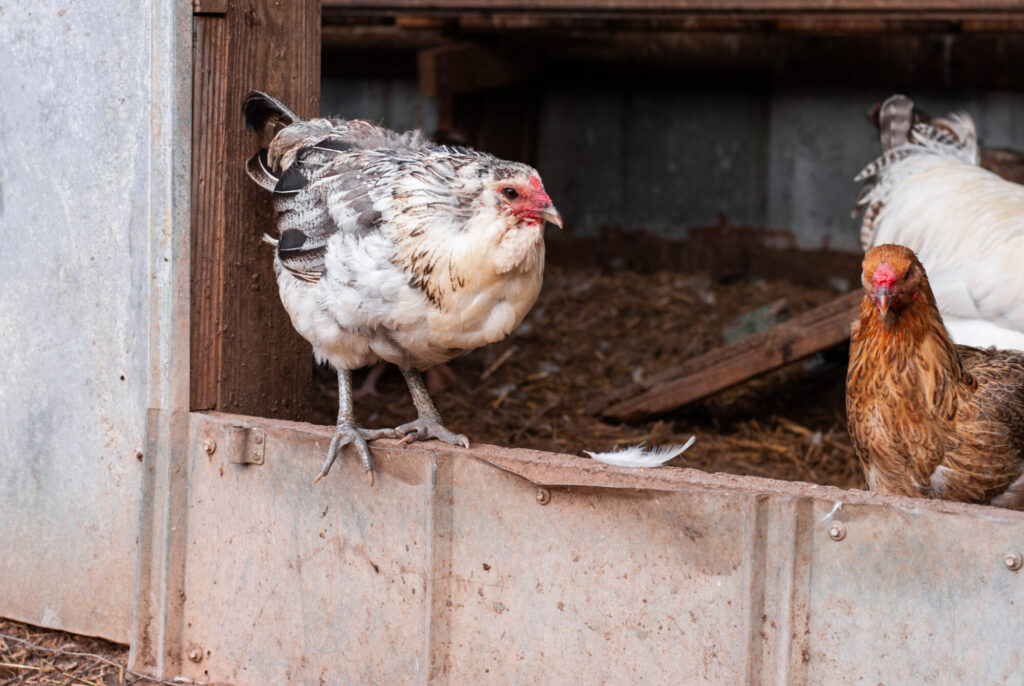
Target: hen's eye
510,193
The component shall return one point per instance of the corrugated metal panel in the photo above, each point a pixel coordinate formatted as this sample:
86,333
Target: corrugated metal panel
76,173
527,567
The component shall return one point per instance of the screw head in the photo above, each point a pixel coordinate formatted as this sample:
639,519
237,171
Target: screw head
1013,560
543,496
837,531
209,446
257,439
195,655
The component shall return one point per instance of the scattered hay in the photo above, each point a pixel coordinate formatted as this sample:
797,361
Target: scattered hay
592,331
30,656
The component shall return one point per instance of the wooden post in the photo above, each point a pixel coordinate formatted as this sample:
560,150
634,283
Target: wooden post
245,356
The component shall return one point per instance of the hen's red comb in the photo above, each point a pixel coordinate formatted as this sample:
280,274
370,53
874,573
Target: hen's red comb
885,275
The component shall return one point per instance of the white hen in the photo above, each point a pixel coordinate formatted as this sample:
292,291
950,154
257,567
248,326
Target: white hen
965,223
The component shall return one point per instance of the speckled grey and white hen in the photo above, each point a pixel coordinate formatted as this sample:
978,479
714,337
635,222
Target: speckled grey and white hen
392,248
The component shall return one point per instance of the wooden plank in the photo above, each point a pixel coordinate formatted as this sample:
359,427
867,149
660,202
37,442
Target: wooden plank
216,7
724,367
926,52
209,164
742,9
412,21
723,6
247,358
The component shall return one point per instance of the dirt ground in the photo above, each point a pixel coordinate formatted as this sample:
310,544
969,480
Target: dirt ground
592,331
37,657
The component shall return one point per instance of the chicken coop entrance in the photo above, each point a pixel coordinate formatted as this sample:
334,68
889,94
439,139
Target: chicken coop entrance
670,139
429,578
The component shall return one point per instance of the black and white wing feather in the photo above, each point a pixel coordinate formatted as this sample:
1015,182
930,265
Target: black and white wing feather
309,162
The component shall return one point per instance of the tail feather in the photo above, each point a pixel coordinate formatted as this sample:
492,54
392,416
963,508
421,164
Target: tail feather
888,158
257,169
895,119
261,109
907,132
954,136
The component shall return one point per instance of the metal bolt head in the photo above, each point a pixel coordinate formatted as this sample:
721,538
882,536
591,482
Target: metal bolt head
257,439
543,496
837,531
1013,560
209,446
195,655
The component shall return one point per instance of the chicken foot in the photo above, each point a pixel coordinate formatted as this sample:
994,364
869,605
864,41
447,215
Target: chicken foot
349,432
428,424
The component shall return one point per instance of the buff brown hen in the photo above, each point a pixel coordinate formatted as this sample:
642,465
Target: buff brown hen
929,418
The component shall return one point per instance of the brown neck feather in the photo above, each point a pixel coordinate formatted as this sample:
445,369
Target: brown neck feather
907,327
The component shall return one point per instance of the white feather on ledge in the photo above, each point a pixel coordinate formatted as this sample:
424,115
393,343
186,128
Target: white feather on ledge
637,456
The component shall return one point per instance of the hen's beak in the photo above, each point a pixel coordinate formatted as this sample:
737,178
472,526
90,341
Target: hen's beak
882,300
551,214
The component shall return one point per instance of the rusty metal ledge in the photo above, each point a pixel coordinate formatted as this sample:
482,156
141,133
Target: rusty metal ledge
553,470
495,565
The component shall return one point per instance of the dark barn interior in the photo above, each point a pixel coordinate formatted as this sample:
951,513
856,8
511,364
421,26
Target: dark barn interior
703,160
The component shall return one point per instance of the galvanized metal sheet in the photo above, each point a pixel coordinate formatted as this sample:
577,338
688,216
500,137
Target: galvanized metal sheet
527,567
76,172
603,585
908,596
286,582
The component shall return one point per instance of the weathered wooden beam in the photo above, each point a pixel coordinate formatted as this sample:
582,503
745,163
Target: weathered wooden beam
245,355
869,51
413,19
727,366
213,7
737,7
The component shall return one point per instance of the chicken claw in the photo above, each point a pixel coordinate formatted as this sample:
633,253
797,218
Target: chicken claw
425,428
357,436
348,432
428,425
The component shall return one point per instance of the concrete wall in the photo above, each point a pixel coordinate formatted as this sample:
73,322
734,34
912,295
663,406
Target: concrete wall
81,133
671,157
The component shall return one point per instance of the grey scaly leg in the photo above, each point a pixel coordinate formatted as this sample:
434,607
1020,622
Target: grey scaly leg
350,432
428,424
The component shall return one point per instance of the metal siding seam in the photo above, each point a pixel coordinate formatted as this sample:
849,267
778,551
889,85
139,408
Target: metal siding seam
439,570
756,582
